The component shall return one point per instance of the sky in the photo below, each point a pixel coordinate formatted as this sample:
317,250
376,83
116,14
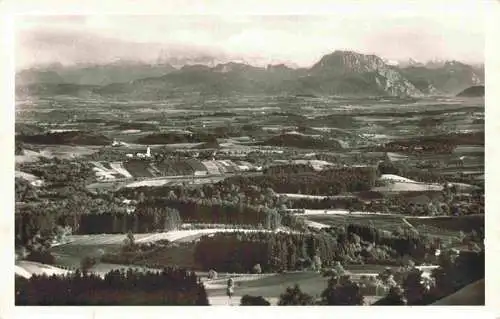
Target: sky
297,40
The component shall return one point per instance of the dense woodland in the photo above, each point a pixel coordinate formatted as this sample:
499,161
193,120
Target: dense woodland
239,252
169,287
65,138
60,172
301,141
330,181
209,211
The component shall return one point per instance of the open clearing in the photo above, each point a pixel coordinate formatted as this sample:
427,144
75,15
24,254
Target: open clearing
114,239
32,179
399,186
273,286
28,268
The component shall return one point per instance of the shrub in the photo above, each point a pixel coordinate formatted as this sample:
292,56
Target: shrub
257,269
212,274
248,300
342,292
295,297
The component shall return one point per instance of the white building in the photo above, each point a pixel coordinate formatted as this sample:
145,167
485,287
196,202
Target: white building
143,155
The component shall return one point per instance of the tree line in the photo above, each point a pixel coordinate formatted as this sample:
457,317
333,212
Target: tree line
207,211
117,287
239,252
329,181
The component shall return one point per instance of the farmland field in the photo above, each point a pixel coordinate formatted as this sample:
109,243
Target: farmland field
390,223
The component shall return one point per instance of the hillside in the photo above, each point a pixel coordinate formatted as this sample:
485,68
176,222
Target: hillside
51,89
473,91
472,295
34,76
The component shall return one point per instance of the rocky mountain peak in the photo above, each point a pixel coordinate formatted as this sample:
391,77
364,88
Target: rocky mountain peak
348,62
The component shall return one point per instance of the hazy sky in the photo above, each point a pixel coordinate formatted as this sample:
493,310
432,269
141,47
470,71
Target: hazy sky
295,39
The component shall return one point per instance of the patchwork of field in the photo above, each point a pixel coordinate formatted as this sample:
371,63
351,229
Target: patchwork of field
110,171
151,169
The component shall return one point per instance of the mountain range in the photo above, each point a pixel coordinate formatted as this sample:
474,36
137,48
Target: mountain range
341,73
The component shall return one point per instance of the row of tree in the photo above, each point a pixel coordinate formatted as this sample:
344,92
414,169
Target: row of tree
169,287
206,211
329,181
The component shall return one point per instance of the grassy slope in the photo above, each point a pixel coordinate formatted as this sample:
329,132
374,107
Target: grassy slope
273,286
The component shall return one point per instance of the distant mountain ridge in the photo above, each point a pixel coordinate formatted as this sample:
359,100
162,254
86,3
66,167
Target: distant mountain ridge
342,73
92,74
450,77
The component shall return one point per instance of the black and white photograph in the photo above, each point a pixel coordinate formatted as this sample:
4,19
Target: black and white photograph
333,159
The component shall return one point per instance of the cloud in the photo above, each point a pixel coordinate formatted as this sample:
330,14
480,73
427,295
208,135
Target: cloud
300,39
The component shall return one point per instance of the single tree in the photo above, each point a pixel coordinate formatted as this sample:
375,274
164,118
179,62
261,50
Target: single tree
129,242
414,289
212,274
393,298
86,263
293,296
257,269
342,292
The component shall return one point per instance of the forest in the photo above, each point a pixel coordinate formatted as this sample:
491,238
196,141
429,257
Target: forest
117,287
355,244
